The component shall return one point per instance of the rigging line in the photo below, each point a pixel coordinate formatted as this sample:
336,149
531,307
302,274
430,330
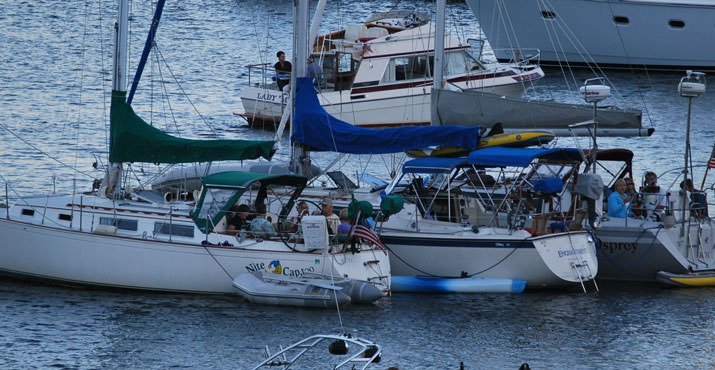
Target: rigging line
103,72
2,125
628,58
168,67
551,35
165,102
81,90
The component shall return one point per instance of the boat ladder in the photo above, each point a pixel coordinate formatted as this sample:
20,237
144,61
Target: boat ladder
584,275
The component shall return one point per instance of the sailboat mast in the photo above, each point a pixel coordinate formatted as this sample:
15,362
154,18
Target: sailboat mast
300,157
119,83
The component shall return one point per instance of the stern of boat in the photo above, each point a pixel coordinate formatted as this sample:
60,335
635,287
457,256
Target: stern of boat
371,265
571,256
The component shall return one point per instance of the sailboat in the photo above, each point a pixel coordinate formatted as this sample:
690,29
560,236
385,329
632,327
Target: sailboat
118,237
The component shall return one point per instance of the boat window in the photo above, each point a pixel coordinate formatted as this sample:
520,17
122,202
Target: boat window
120,223
455,63
173,229
344,62
64,217
28,212
408,68
675,23
621,20
548,14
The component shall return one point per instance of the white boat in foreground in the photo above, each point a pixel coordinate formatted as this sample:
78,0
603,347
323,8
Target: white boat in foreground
633,34
380,75
117,237
451,227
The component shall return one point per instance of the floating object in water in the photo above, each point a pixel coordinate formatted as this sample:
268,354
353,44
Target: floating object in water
516,140
273,289
429,284
357,353
701,278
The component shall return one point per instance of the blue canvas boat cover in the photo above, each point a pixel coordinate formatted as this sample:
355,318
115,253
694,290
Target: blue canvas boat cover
320,131
432,165
499,156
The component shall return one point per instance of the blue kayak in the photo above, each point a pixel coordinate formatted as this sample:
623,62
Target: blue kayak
429,284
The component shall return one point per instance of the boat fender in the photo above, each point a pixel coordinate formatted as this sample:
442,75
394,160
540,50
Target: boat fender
668,221
339,347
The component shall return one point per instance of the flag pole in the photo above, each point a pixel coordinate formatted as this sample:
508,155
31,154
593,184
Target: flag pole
711,164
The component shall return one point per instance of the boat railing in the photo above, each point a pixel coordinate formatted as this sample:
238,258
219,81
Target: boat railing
364,354
521,56
264,75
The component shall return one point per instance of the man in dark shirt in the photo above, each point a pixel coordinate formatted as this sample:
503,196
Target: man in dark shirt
239,219
283,69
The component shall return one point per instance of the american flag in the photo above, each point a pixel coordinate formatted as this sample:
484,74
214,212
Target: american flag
368,234
711,162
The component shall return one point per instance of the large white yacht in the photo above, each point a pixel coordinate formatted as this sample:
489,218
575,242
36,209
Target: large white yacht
633,33
379,74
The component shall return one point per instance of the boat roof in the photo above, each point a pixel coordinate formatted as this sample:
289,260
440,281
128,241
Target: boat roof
490,157
410,41
242,179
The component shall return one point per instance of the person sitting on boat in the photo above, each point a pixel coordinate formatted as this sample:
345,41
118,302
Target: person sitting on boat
313,70
294,222
345,225
655,196
260,226
697,201
619,202
283,69
637,206
333,220
240,218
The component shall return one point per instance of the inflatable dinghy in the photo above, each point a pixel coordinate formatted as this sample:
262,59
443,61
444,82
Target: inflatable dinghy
517,140
702,278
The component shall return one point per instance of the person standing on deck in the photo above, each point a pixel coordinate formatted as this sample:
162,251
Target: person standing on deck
283,69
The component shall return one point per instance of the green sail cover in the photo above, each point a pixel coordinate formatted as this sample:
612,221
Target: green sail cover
221,190
133,140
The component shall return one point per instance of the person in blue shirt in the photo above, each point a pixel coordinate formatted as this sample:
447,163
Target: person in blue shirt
619,202
313,70
259,225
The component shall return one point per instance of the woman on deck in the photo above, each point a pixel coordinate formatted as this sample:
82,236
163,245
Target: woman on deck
618,202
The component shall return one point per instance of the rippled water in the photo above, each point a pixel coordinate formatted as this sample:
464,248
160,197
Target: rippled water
54,76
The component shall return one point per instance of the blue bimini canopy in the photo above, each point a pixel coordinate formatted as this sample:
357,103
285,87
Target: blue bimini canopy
499,156
432,165
320,131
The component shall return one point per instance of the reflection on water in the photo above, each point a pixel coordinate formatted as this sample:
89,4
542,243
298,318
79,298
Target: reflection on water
631,326
54,78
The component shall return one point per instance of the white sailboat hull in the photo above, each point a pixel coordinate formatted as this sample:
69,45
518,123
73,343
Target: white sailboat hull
71,256
548,261
650,33
638,249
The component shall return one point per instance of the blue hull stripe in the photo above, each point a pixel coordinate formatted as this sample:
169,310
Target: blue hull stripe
455,243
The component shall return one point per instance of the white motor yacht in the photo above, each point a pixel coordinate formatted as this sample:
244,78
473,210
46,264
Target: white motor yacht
379,74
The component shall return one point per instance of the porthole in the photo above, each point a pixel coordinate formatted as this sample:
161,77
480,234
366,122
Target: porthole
548,14
28,212
676,23
621,20
65,217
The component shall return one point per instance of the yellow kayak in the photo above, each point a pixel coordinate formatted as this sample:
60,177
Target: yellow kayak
702,278
517,140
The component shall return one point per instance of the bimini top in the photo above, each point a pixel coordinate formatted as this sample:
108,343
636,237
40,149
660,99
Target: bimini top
320,131
499,156
221,190
489,157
